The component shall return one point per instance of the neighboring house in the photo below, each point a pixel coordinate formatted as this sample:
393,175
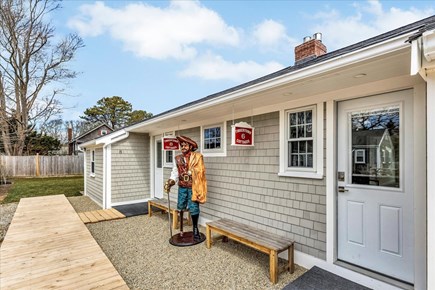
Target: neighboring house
73,145
300,179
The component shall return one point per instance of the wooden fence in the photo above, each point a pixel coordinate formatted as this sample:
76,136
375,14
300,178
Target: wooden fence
23,166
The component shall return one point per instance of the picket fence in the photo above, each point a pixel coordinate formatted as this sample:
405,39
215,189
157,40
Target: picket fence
37,165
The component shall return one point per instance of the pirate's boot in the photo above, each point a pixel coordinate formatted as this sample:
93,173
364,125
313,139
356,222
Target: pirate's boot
196,235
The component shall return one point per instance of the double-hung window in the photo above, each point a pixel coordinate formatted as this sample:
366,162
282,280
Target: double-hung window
213,140
301,146
93,163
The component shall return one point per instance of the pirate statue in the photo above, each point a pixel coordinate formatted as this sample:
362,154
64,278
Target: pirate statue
189,171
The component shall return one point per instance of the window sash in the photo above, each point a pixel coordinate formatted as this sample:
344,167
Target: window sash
93,162
300,143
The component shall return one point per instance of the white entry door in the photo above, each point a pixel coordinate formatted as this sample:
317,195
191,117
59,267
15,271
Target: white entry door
375,184
158,167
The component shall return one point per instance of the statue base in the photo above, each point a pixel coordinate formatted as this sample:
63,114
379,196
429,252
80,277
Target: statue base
185,240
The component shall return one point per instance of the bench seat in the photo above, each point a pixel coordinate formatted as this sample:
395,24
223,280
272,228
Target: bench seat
266,242
163,205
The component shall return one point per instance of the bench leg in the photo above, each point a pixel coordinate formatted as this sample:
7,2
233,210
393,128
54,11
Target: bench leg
208,236
273,268
150,212
291,261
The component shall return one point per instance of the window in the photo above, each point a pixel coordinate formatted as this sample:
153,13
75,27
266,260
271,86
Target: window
168,160
213,140
301,145
103,132
93,163
300,140
360,156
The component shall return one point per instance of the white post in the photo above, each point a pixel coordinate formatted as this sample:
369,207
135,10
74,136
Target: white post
430,114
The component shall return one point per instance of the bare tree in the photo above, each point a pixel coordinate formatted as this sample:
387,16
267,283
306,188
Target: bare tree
31,67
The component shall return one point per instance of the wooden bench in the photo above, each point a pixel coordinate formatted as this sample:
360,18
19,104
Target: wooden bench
163,205
260,240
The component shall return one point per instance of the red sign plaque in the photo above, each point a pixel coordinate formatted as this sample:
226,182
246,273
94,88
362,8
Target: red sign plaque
242,134
170,143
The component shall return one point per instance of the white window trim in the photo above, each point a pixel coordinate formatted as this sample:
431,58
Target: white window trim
92,159
168,164
222,152
317,171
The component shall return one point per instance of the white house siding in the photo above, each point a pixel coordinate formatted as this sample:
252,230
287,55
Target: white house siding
94,186
245,186
130,168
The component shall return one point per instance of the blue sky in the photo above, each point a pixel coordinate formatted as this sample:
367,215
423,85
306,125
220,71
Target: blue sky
162,54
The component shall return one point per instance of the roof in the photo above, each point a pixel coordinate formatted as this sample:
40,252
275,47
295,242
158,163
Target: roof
90,131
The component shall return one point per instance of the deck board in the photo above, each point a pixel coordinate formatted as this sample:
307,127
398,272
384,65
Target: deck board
47,246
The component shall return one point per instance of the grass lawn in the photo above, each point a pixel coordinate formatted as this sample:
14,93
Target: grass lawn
30,187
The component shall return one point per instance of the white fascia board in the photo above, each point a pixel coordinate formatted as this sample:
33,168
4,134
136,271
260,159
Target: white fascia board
113,137
386,47
429,45
90,143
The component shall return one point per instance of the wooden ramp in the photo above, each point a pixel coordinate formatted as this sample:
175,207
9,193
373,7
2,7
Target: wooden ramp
100,215
47,246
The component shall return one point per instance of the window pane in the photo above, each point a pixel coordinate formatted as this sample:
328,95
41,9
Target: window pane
309,117
293,132
302,160
301,118
293,119
218,142
309,131
309,160
294,160
375,131
302,147
301,132
294,147
310,146
218,132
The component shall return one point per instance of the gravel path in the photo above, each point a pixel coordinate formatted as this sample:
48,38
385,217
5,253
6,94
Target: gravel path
6,214
139,249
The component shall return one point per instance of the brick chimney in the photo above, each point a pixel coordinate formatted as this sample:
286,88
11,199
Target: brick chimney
309,49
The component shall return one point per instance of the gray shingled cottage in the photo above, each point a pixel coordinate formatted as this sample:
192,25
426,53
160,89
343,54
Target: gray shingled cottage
313,174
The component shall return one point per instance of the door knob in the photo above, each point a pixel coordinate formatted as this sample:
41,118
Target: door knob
342,189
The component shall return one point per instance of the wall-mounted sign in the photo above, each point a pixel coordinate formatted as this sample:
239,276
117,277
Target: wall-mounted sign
242,134
170,143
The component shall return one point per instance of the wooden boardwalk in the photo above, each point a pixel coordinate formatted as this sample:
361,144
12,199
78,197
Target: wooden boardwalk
47,246
101,215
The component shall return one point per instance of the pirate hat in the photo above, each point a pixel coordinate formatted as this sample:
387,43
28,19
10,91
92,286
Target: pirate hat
184,139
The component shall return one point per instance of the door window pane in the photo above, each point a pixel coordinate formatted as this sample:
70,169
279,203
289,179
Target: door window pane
159,154
375,147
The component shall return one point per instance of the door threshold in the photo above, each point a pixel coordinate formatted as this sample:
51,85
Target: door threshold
392,281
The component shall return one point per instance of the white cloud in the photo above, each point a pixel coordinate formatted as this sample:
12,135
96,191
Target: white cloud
159,33
214,67
370,19
269,33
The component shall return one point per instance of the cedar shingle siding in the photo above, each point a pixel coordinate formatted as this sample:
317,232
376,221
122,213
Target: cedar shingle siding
244,186
131,168
94,188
